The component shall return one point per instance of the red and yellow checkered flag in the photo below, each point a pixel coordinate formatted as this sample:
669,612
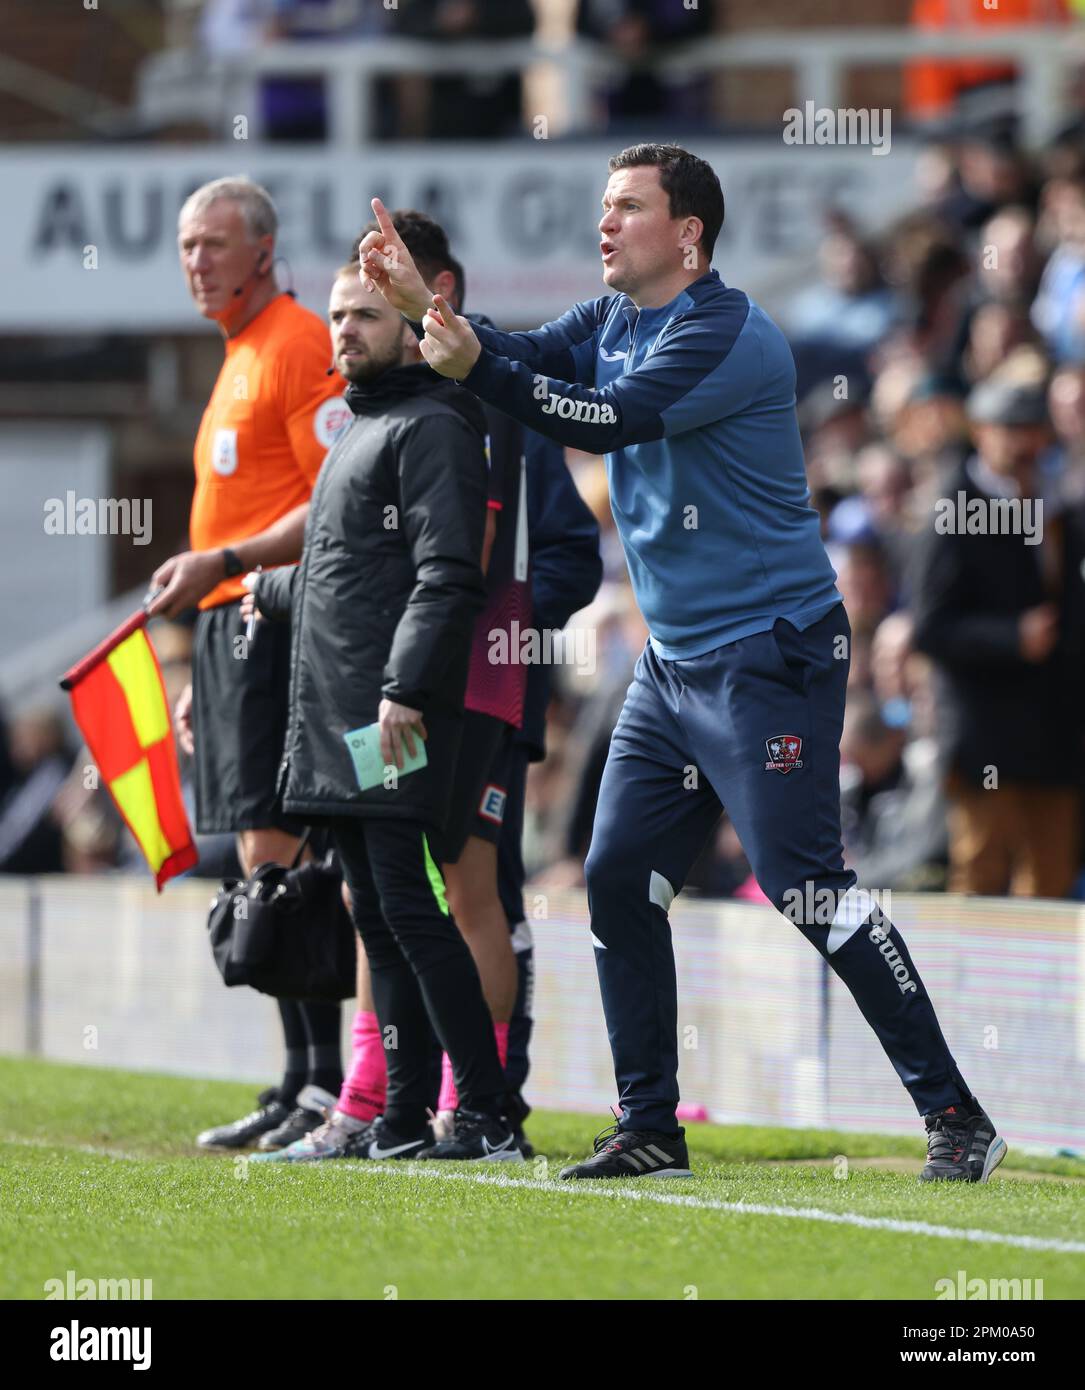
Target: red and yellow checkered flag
119,703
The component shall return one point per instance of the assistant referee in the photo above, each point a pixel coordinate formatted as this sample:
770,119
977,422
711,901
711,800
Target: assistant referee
272,416
737,700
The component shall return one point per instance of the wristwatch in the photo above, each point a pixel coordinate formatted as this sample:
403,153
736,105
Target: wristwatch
232,564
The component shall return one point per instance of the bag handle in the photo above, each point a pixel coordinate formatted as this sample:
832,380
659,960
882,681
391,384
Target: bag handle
301,847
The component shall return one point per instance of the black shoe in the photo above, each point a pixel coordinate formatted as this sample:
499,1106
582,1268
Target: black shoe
962,1145
313,1108
477,1138
380,1143
516,1112
634,1153
243,1133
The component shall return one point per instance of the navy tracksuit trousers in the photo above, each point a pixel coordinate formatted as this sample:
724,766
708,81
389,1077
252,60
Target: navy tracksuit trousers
753,727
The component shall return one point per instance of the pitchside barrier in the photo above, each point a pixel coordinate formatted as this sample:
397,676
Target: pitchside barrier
105,972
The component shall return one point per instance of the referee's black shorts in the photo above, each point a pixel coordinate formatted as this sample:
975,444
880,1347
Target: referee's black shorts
240,693
477,803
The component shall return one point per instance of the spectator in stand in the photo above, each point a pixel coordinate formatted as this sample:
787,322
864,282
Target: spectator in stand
1007,262
992,173
834,426
890,658
1059,309
892,807
481,106
926,264
852,309
865,584
1002,618
877,512
928,428
994,331
30,835
995,305
295,108
638,32
1066,403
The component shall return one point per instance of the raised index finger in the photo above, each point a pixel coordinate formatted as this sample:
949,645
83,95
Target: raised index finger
385,223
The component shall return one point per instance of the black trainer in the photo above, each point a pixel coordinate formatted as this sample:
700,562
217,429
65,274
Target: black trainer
243,1133
634,1153
380,1142
962,1145
313,1108
477,1138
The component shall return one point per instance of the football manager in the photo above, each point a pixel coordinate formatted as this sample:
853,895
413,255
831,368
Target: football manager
737,700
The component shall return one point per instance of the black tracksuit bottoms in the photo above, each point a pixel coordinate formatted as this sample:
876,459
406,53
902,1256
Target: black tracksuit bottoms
424,978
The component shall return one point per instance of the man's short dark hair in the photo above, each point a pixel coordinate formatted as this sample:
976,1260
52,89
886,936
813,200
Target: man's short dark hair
691,185
427,241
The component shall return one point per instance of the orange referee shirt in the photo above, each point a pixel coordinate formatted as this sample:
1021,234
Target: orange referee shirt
270,421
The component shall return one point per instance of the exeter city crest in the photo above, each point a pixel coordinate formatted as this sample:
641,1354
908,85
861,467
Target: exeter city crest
783,751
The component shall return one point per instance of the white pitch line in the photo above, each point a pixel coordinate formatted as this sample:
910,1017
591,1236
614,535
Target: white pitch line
673,1199
670,1199
68,1144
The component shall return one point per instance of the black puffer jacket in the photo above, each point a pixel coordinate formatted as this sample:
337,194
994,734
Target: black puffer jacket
383,602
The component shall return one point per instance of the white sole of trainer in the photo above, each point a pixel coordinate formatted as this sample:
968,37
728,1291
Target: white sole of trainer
995,1154
632,1177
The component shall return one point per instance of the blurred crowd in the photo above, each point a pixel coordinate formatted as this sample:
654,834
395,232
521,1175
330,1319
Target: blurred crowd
473,106
942,361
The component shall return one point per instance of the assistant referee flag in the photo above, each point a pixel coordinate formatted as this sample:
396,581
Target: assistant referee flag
119,703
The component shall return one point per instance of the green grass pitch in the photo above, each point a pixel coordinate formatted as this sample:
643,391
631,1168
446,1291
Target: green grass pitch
99,1175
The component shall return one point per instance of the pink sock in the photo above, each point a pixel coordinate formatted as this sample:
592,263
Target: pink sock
501,1033
449,1100
365,1084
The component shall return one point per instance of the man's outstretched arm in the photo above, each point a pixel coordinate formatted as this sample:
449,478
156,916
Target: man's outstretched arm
699,371
564,348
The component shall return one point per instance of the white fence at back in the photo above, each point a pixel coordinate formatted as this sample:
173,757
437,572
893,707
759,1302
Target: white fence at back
102,971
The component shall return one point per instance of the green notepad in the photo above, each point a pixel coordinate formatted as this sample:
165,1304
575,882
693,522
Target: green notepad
365,749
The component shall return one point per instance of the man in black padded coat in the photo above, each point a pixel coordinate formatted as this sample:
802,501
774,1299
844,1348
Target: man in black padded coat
382,608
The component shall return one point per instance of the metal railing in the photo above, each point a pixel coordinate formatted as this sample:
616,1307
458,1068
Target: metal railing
186,84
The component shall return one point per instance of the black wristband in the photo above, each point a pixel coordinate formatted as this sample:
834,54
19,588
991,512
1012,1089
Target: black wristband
232,564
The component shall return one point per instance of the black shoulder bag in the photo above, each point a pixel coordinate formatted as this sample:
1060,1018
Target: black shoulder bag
286,932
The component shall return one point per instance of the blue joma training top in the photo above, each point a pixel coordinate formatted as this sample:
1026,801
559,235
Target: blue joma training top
693,405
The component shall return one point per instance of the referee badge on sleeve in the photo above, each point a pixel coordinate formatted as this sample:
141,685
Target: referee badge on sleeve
224,452
330,420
